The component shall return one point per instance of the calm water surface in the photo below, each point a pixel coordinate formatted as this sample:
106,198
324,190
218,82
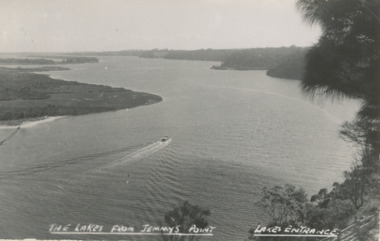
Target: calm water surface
232,132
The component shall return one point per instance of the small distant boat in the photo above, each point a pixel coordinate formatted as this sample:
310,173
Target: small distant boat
164,139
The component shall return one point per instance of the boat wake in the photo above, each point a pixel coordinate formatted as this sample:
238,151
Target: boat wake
129,158
139,154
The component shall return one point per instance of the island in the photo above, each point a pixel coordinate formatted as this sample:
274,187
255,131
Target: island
26,96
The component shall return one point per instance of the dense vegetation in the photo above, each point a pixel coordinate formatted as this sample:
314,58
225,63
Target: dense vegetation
29,95
258,58
132,52
188,218
284,62
78,60
345,62
292,66
200,54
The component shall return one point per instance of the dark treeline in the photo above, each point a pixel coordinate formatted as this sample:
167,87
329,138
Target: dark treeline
134,52
259,58
291,66
283,62
79,60
200,54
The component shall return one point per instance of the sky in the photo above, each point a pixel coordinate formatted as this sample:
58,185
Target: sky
111,25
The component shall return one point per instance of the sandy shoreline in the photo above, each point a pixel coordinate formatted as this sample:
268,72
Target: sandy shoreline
28,123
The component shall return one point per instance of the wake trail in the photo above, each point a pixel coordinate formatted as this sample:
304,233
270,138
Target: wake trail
129,158
137,155
103,171
62,163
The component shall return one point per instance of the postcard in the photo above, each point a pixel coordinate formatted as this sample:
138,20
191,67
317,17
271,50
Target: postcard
189,120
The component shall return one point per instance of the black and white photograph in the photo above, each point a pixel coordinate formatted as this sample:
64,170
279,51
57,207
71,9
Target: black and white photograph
190,120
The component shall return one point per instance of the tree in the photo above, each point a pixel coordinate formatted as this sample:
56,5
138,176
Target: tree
285,205
345,62
335,215
356,186
364,131
185,217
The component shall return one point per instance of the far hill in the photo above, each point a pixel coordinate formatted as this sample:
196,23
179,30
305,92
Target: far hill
282,62
277,60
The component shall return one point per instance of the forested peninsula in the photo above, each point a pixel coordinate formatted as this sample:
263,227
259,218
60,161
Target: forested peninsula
25,95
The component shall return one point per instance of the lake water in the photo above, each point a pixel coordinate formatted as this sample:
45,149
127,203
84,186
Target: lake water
232,133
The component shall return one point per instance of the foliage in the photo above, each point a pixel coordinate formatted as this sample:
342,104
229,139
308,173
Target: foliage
185,217
259,58
345,61
356,186
364,131
200,54
285,205
292,66
241,59
335,215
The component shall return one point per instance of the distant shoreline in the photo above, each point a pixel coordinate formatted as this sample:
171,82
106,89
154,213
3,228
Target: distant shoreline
47,60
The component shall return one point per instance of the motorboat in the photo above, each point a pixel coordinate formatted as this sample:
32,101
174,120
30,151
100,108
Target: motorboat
164,139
